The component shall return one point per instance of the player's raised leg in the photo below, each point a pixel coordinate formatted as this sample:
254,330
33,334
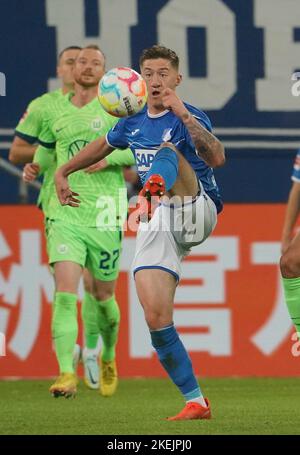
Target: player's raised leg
156,290
65,326
170,174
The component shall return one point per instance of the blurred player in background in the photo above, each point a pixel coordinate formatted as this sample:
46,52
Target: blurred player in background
174,138
78,239
23,151
28,130
290,248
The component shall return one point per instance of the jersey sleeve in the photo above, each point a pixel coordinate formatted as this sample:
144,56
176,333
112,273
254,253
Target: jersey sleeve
204,120
296,169
46,137
30,124
121,158
116,136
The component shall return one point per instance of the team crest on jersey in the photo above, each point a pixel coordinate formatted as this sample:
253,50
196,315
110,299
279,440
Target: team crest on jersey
75,147
166,136
96,124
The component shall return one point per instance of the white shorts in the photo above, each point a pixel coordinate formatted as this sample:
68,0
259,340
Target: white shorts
168,237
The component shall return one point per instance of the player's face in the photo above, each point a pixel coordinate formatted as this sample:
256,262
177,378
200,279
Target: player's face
66,65
89,67
159,74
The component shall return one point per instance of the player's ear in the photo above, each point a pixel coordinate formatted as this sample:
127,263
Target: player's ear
178,79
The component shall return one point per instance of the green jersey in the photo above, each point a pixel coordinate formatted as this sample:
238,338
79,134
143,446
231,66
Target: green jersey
30,125
29,128
67,129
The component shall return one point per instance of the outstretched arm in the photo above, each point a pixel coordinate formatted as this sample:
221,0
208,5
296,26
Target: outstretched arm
116,158
209,148
93,152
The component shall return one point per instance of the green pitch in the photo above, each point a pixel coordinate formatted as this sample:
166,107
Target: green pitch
239,406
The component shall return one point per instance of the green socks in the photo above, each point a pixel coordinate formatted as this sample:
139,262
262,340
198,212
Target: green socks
292,298
98,316
89,318
65,329
108,323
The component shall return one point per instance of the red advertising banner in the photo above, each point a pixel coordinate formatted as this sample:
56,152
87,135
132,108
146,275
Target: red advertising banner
229,307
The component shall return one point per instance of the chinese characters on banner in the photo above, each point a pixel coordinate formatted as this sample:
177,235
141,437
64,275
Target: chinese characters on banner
229,307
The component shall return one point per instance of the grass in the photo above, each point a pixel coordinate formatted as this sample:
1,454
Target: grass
240,406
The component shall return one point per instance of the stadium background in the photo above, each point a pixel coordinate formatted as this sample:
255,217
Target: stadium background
237,61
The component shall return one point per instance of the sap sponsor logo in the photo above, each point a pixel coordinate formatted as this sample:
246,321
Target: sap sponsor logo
144,159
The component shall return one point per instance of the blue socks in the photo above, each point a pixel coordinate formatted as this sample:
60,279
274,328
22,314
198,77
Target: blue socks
176,361
165,164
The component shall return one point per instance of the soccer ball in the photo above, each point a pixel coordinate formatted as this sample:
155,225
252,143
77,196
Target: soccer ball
122,92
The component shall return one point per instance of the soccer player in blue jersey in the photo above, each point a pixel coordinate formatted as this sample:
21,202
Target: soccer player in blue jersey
290,247
175,152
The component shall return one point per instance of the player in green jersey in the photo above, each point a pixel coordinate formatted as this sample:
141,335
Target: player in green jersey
81,239
22,151
29,127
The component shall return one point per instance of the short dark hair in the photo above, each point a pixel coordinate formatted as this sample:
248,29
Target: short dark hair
69,48
96,47
157,51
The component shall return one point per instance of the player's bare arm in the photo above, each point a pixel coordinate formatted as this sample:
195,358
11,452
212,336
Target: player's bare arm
91,154
207,145
21,152
99,166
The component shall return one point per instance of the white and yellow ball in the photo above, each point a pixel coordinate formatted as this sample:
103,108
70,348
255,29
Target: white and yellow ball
122,92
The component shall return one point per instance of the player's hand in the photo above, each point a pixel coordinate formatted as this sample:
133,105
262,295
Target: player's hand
64,193
102,164
30,172
172,102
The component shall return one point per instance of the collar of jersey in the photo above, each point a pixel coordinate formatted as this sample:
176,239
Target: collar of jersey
161,114
70,95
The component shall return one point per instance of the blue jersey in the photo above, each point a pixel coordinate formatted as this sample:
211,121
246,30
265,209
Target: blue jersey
143,133
296,169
